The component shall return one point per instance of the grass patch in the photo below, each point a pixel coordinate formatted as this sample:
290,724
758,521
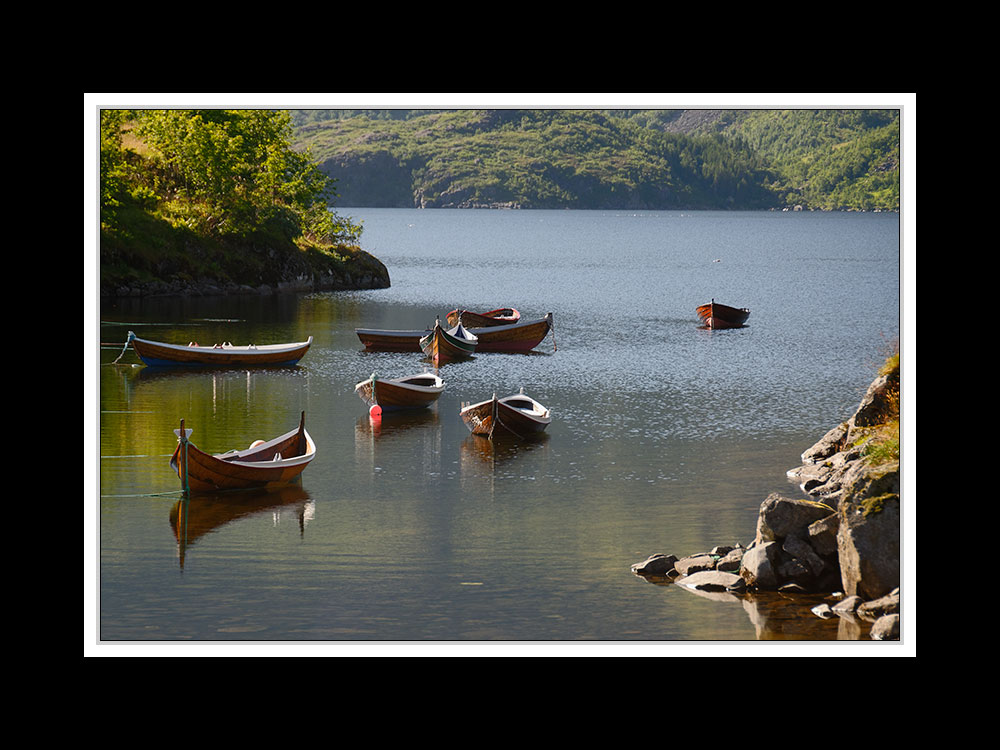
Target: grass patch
882,441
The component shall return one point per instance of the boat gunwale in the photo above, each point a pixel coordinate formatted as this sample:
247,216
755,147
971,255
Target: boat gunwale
540,413
543,416
401,382
519,325
220,349
234,457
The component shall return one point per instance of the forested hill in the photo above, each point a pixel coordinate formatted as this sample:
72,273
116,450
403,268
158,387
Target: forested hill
608,159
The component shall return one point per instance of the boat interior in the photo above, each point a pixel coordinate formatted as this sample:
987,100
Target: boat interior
287,446
525,404
427,381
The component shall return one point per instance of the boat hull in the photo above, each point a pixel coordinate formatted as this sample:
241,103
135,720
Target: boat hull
390,341
479,418
515,337
500,317
269,464
159,354
715,316
444,346
413,392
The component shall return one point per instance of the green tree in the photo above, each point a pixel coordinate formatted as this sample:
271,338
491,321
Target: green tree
226,172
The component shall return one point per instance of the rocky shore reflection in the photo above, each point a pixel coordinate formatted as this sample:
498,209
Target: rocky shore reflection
777,616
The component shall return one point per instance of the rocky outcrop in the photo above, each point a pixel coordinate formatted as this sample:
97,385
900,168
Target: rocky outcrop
843,538
836,473
279,271
157,258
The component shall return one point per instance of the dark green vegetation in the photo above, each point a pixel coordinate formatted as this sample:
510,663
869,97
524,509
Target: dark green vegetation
599,159
216,197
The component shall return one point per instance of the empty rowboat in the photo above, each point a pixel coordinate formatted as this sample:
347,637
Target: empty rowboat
159,354
714,315
445,345
519,415
499,317
393,394
263,464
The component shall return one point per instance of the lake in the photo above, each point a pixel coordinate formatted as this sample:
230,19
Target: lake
665,437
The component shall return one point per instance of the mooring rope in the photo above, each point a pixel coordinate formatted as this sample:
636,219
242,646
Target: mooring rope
128,340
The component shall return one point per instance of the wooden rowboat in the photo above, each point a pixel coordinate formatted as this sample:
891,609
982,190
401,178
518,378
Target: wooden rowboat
381,340
519,415
411,392
263,464
522,336
500,317
714,315
443,345
158,354
514,337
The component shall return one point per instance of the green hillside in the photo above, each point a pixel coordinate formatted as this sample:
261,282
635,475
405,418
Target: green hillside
591,159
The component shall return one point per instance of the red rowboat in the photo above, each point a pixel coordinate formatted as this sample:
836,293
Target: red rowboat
522,336
469,319
514,337
714,315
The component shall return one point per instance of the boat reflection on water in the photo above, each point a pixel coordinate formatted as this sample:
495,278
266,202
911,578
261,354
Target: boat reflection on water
501,456
201,514
502,447
398,439
393,424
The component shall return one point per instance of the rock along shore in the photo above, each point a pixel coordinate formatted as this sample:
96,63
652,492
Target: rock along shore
269,270
842,541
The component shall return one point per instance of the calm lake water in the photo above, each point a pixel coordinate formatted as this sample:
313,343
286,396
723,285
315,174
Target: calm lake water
665,437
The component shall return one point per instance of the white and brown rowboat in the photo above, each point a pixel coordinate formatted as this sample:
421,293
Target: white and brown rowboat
392,394
519,415
263,464
159,354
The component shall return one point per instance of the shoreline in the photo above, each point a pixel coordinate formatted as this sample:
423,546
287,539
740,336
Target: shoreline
842,545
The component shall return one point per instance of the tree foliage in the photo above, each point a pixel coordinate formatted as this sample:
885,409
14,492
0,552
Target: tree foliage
218,172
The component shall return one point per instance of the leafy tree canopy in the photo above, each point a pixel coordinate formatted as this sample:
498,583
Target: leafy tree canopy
217,172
